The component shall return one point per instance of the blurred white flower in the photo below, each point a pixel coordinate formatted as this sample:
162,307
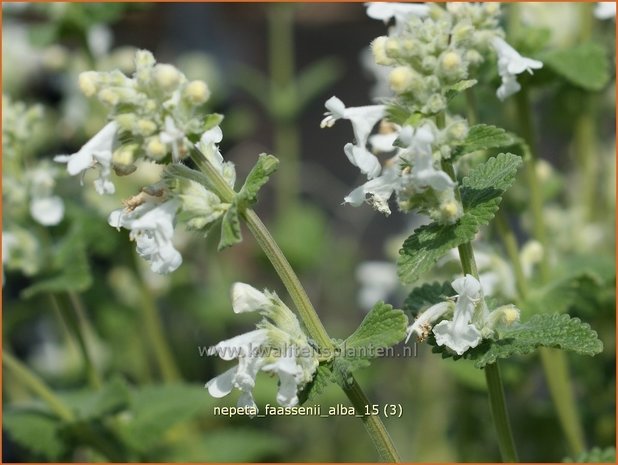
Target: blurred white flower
385,11
378,280
605,10
510,64
46,208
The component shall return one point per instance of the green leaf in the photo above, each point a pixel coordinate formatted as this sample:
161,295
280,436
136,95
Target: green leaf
265,166
556,331
585,65
70,267
459,87
112,398
595,455
230,228
425,296
212,120
481,195
157,408
36,431
381,328
483,137
323,377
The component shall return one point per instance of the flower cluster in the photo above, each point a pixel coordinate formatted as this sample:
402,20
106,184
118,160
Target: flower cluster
278,346
432,51
155,115
470,320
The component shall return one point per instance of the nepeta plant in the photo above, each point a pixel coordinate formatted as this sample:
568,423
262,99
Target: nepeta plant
419,156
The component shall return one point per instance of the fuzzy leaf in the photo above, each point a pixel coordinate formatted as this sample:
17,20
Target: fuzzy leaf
585,65
482,137
265,166
381,328
459,87
230,228
113,397
556,331
481,194
425,296
36,431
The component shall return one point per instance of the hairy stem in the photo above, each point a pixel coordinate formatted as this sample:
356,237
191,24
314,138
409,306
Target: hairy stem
492,372
373,424
554,362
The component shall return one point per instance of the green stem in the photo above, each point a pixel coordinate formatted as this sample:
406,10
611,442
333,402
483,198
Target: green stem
492,372
26,377
283,99
154,331
499,413
76,322
554,362
512,250
373,425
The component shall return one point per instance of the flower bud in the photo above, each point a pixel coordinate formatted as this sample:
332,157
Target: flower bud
144,59
167,77
197,92
246,298
155,149
126,121
125,154
109,97
146,127
378,48
88,83
400,79
391,47
450,211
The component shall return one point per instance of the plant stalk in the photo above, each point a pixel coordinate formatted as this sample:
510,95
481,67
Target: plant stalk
373,424
554,362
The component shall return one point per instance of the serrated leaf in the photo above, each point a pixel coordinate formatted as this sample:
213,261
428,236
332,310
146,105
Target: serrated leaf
36,431
382,327
459,87
230,228
425,296
595,455
483,137
265,166
554,331
585,65
481,194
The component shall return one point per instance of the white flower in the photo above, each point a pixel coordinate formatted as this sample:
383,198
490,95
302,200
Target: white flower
278,346
460,334
422,324
510,64
152,227
363,120
173,137
208,146
385,11
97,152
377,191
605,10
378,280
46,208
